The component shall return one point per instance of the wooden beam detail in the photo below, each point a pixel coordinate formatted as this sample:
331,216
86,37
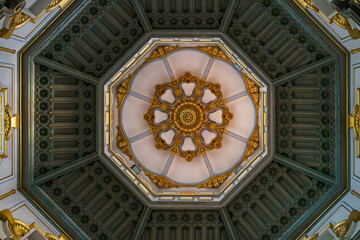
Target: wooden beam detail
66,69
303,70
228,223
142,15
304,169
142,223
66,168
228,15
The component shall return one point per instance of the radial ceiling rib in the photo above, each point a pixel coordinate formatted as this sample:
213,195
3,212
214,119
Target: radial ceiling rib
228,223
303,70
67,168
228,15
142,223
304,169
142,15
65,69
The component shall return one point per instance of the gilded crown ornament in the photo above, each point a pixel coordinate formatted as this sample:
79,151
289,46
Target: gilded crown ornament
188,116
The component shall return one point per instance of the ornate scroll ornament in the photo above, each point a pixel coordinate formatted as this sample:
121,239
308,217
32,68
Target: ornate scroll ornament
252,89
354,122
188,116
341,230
215,52
19,229
19,18
7,122
311,5
338,19
122,92
212,51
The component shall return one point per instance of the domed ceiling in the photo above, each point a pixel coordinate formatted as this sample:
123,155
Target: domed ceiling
183,119
187,118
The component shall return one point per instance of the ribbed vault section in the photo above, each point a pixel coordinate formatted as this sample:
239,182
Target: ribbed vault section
97,37
68,177
193,14
273,202
273,38
305,117
98,202
183,224
65,116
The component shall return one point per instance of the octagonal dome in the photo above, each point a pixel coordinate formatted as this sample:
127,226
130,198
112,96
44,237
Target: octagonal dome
83,149
185,118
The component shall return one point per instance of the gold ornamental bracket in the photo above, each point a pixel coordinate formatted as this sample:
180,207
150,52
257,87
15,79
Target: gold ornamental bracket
7,122
354,122
19,229
339,19
341,229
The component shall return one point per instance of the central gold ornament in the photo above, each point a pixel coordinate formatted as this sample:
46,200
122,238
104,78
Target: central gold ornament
188,116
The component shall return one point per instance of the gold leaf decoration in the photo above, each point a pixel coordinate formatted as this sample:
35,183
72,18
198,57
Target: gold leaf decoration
161,52
252,89
161,181
253,143
215,181
214,52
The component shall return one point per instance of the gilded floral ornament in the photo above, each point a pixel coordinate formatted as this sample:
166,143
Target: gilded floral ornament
188,116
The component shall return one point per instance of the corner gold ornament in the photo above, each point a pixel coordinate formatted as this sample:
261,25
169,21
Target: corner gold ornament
339,19
7,122
19,229
188,116
20,18
341,229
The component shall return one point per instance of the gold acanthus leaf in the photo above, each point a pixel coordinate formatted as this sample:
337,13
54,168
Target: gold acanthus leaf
161,52
253,90
253,143
161,181
311,5
214,181
214,52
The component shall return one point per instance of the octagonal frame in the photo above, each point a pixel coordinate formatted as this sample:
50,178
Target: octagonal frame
125,166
